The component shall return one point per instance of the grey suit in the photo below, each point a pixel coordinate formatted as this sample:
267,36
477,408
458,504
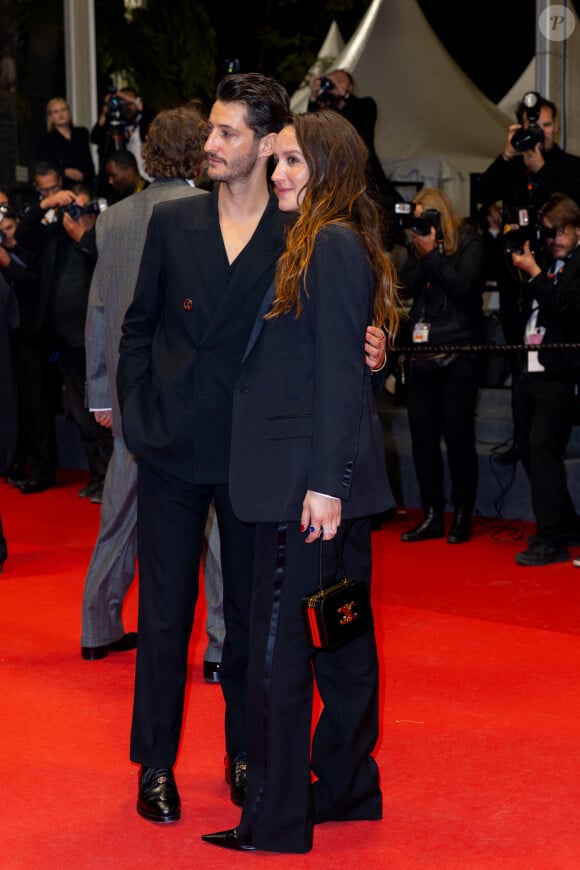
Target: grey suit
121,233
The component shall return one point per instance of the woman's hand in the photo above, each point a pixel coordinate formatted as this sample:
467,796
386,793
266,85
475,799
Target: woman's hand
320,514
375,348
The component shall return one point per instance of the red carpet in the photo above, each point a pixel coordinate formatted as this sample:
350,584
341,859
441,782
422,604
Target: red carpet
479,749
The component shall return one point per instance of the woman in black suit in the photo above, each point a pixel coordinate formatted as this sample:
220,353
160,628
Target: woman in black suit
308,462
66,147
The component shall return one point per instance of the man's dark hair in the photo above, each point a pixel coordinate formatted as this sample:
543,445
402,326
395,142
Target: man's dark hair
267,101
43,167
174,144
124,159
542,103
9,212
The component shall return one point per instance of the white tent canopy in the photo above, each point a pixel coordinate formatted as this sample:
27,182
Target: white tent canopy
525,83
329,51
434,125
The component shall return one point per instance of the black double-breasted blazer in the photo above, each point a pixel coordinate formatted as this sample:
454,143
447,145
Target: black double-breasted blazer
185,333
304,408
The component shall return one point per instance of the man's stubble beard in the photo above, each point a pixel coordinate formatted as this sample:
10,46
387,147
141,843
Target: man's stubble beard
239,170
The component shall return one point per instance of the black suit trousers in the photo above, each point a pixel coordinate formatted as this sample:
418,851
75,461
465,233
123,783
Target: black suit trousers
443,403
544,416
172,515
281,804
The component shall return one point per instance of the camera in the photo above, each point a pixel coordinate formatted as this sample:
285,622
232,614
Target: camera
95,207
4,209
519,225
114,114
325,97
419,224
516,229
528,137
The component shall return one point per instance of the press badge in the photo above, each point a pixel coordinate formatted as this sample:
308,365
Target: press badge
420,333
537,336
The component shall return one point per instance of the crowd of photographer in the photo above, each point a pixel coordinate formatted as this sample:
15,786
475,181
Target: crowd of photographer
47,257
49,249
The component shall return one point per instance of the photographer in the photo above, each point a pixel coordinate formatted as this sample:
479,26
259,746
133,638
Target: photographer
60,230
545,402
34,441
122,125
335,91
444,277
532,166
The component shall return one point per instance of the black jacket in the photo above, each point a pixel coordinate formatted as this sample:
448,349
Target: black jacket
509,181
185,333
559,313
447,291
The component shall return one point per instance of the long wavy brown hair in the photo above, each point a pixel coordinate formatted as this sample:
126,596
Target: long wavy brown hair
335,193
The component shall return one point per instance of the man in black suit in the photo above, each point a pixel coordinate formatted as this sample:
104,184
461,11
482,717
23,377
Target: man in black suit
546,402
207,264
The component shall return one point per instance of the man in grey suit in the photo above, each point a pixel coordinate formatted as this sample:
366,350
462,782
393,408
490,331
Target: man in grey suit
174,155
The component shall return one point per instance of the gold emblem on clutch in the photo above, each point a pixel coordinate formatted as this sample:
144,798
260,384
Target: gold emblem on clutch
348,613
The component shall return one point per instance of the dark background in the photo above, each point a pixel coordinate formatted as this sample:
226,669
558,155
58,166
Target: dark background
492,41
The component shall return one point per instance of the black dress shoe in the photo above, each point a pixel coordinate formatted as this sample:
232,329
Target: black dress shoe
431,526
90,488
17,475
236,769
124,644
36,484
460,531
211,672
228,840
158,799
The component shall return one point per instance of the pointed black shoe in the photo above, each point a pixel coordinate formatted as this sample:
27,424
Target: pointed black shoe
236,777
431,526
158,799
228,840
460,531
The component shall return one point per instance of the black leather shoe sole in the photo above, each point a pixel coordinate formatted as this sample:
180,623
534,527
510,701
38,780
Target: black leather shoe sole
167,819
124,644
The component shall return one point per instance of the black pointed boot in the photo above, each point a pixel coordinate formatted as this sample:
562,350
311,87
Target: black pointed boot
431,526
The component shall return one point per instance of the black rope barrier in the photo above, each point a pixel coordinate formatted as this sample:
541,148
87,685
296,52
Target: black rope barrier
457,348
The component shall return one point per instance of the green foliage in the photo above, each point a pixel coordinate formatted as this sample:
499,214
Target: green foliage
167,49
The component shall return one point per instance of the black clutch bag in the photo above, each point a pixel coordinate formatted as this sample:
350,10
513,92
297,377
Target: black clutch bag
337,614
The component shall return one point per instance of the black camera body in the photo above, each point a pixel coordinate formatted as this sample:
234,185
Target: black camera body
516,229
528,137
325,97
114,115
419,224
95,207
